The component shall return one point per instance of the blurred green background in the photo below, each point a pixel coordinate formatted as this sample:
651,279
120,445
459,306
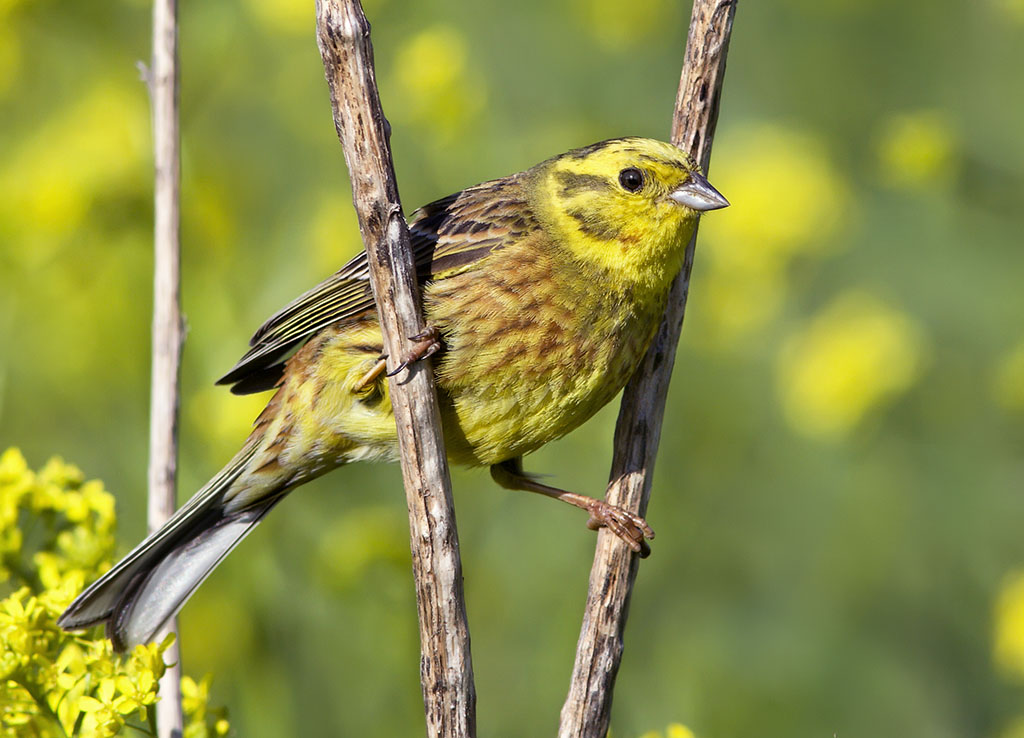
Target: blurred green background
839,493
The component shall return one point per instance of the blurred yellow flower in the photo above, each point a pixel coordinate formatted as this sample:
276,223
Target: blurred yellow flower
195,697
1008,382
194,694
1008,646
49,180
675,730
856,355
283,15
436,86
786,196
916,149
6,6
1014,730
747,251
617,25
1014,11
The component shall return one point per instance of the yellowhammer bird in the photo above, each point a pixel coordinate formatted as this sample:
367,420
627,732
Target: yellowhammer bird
542,289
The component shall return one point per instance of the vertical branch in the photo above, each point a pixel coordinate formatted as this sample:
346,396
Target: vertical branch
446,669
168,332
587,709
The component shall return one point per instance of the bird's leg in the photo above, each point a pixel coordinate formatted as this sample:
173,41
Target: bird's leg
375,371
628,526
425,344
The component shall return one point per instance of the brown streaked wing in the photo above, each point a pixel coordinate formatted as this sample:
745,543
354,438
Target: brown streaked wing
447,236
481,219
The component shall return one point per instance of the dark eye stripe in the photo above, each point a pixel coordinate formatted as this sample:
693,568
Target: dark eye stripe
669,162
594,225
572,183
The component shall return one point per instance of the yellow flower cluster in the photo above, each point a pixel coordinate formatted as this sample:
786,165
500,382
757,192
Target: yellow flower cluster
66,523
201,721
57,533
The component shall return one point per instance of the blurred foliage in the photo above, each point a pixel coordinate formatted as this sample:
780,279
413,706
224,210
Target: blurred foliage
58,536
839,493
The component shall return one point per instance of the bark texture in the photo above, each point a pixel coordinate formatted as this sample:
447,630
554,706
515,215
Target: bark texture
587,709
446,668
168,328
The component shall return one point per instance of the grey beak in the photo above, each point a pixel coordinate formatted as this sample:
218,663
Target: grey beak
698,194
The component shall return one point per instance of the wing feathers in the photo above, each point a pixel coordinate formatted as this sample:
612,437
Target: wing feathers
447,236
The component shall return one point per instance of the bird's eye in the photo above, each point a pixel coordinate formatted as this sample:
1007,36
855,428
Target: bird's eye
631,179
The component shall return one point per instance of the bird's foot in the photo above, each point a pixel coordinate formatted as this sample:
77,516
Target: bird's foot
628,526
425,344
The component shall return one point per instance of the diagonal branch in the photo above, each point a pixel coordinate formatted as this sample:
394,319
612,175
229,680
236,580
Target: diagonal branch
587,709
446,669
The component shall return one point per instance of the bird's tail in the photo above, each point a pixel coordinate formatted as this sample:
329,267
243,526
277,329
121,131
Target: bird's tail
148,587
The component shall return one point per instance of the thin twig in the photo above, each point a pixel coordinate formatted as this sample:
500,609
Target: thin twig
168,330
446,669
587,709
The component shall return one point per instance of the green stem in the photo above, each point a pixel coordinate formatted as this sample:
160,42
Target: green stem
43,706
141,729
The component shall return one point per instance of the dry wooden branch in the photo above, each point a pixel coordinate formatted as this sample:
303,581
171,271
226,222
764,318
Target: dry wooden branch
587,709
168,330
446,669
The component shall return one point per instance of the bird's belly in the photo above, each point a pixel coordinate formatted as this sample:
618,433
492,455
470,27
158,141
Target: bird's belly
531,353
491,423
520,368
495,405
495,411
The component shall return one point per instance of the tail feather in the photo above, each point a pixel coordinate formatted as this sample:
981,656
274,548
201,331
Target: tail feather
148,587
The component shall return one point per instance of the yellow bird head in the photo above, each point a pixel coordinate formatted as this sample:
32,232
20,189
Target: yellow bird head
629,204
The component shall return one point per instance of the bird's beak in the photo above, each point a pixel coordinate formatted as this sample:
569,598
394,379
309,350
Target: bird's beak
698,194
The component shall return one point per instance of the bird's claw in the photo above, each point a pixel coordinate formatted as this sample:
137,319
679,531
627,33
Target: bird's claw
425,344
630,527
